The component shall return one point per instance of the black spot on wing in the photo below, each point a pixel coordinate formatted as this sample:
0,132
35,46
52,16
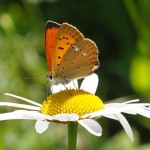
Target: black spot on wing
61,48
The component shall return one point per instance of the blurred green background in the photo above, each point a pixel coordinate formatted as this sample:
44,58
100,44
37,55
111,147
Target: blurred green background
121,30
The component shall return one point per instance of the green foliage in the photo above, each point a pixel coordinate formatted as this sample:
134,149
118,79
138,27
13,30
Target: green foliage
140,70
121,30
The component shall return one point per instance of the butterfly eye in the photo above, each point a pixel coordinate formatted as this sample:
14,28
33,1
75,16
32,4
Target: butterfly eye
51,79
50,76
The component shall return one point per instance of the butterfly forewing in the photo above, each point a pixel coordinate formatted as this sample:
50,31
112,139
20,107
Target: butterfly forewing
80,60
67,36
51,32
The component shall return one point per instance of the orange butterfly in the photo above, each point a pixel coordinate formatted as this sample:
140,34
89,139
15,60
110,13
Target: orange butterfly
69,55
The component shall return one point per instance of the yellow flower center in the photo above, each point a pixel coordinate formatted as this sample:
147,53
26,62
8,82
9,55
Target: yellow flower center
71,101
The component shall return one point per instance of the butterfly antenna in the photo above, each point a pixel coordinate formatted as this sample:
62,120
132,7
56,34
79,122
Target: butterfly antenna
29,78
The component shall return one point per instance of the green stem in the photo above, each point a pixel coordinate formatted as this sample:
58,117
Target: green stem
72,135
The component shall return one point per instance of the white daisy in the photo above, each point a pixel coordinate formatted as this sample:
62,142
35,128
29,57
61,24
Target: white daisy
73,105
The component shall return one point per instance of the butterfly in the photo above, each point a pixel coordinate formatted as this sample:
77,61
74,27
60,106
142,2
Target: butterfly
69,55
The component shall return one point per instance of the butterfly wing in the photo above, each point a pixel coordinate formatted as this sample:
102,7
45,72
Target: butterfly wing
51,32
67,35
80,60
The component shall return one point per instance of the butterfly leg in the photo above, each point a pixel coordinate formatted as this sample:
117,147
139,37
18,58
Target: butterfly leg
47,89
74,85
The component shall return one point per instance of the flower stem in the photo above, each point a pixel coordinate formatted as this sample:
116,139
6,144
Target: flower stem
72,135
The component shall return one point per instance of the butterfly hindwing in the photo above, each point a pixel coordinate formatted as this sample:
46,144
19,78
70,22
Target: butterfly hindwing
51,32
80,60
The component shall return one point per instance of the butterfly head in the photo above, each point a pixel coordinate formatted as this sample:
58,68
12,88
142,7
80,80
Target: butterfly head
51,78
57,79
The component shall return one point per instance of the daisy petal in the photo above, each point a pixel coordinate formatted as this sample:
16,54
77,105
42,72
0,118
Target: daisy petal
106,111
11,116
110,116
92,126
132,101
90,83
24,114
21,114
35,115
19,105
125,125
24,99
143,112
41,126
66,117
74,84
59,87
